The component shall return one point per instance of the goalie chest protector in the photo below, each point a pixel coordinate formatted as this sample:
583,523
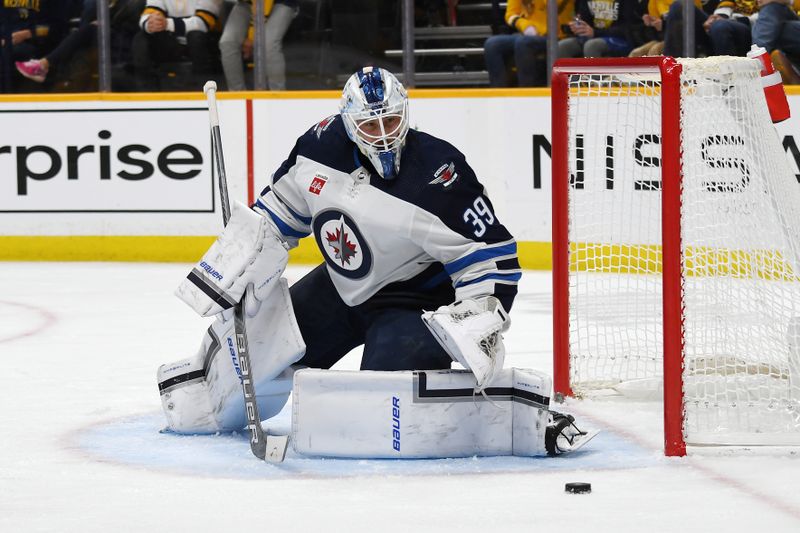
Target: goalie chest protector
420,414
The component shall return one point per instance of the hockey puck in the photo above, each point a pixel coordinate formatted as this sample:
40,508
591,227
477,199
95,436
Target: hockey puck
578,488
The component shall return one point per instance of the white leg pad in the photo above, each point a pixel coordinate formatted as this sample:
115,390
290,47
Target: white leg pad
421,414
203,394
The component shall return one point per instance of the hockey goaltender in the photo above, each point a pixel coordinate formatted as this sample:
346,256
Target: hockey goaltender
418,269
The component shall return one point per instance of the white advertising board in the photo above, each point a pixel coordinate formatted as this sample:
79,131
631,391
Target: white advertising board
142,167
105,160
106,168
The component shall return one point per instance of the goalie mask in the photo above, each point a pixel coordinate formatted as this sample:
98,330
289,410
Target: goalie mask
374,109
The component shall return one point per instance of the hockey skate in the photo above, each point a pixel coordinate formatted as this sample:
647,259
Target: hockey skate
563,436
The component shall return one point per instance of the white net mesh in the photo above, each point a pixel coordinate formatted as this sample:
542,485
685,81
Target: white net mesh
740,237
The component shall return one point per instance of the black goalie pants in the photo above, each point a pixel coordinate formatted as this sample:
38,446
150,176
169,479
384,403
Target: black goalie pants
394,336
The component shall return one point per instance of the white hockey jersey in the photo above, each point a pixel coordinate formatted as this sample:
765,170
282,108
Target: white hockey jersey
184,16
430,226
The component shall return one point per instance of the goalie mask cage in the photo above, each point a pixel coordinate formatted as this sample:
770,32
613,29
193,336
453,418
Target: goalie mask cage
675,240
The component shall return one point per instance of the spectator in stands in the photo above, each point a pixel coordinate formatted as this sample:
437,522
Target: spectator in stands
30,28
657,15
653,20
84,37
523,48
721,29
172,30
6,49
729,27
777,29
39,26
602,28
238,36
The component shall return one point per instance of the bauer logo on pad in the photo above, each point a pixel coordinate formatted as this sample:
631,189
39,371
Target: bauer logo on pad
317,184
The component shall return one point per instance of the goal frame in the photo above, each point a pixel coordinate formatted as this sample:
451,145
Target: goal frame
669,71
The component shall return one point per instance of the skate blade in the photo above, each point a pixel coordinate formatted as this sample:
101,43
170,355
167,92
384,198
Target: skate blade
581,440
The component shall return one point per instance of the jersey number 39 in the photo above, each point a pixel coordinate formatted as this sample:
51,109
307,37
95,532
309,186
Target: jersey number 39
479,215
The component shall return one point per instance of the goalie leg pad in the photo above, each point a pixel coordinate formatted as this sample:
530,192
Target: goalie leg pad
430,414
195,408
204,394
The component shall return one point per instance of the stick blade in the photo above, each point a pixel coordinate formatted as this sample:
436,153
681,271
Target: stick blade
276,448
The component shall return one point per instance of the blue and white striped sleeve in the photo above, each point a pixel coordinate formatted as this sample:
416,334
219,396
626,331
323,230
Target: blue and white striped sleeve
492,269
281,204
458,227
476,268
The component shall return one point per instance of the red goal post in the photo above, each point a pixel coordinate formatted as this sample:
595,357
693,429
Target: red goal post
649,238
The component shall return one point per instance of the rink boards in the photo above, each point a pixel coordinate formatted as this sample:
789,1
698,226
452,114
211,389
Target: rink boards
128,177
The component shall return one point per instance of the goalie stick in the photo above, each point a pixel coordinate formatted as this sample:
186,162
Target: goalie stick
271,448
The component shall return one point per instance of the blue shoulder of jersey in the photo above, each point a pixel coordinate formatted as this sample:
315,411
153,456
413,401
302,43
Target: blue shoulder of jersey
435,176
325,142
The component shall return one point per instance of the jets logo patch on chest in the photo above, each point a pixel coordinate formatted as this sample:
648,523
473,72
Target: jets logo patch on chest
343,248
342,244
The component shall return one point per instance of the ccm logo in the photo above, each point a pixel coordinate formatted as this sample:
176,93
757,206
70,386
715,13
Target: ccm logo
177,161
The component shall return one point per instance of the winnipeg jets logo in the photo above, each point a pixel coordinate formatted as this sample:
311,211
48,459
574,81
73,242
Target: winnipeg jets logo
446,175
343,249
342,244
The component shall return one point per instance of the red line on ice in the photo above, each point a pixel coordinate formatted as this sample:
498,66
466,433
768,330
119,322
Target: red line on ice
695,462
47,319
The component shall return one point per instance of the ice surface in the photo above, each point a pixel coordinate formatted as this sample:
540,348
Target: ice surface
80,448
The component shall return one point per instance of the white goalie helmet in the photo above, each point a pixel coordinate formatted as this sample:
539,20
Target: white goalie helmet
374,108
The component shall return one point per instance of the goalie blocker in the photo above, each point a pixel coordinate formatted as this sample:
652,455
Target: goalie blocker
203,394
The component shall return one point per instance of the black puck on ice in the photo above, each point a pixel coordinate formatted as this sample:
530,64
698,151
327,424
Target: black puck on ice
578,488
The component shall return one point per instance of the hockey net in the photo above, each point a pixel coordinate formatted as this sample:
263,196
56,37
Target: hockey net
676,241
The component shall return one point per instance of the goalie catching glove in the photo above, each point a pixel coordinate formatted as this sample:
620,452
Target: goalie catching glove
470,332
247,252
